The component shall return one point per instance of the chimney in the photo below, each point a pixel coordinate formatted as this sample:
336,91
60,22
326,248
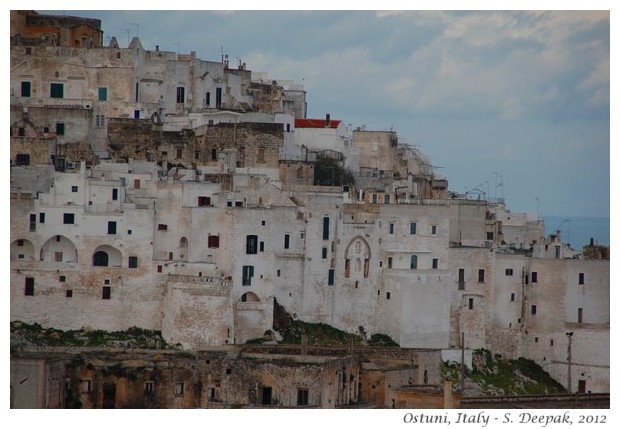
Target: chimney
328,121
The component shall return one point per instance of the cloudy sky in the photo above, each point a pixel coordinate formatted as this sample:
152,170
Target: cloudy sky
514,103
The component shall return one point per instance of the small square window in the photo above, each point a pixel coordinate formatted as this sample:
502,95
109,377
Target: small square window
62,279
68,218
74,188
69,293
162,227
60,129
106,281
56,90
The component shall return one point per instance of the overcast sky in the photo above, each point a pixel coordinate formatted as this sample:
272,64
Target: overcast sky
515,98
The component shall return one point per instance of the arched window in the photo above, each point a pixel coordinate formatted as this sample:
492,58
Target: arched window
414,262
100,259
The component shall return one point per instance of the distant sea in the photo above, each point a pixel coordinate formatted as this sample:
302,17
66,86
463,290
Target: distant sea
578,230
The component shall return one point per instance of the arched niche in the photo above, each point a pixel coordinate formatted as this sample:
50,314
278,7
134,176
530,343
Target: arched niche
22,250
357,258
107,256
59,249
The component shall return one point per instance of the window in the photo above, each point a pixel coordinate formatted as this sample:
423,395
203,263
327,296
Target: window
85,386
480,276
179,389
302,396
535,339
278,273
57,256
21,132
325,228
170,256
29,286
41,217
251,244
347,268
388,295
330,277
179,153
489,236
580,315
20,243
261,246
159,268
149,386
551,343
324,253
386,199
582,278
56,90
180,94
60,129
136,183
218,97
62,279
33,222
204,201
196,154
74,188
391,228
248,273
69,293
261,155
133,262
112,227
129,232
25,89
435,263
508,271
22,159
412,228
390,262
114,194
100,121
207,99
533,310
534,277
213,154
106,281
512,297
414,262
461,280
106,292
374,198
162,227
287,240
433,229
103,93
213,241
28,51
68,218
471,303
136,114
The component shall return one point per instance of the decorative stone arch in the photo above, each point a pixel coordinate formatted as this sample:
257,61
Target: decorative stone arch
107,256
249,297
357,255
22,250
183,249
58,248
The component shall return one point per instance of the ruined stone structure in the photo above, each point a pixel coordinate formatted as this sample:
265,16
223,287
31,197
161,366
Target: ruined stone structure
139,211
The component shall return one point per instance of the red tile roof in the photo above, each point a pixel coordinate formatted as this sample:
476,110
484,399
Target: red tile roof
315,123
